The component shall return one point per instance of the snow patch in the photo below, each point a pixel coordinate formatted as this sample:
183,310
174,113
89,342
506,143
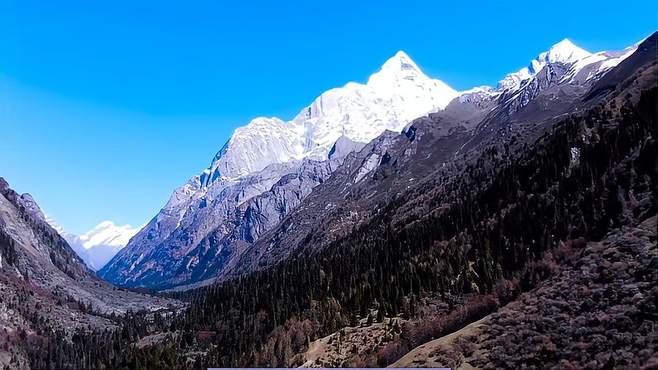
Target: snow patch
575,156
370,164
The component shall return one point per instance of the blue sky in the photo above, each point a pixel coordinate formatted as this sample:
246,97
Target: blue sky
106,107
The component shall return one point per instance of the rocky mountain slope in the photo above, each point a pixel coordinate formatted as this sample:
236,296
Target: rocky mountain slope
596,311
45,287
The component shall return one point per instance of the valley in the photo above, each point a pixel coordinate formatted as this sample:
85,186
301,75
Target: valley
394,223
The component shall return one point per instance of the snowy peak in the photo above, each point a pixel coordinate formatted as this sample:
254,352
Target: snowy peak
563,52
401,75
109,234
398,93
401,65
97,246
400,60
594,65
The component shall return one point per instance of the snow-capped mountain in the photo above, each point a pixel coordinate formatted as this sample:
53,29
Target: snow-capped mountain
269,166
594,65
563,64
268,154
396,94
568,54
430,152
562,52
97,246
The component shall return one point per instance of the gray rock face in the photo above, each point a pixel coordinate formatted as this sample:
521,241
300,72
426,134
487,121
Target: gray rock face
344,146
217,224
322,204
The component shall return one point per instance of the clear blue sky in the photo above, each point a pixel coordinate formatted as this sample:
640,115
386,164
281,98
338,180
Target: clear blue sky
106,107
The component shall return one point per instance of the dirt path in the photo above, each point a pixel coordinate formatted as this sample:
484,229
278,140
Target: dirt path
424,355
334,349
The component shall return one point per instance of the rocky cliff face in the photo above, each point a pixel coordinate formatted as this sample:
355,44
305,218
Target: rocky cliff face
210,236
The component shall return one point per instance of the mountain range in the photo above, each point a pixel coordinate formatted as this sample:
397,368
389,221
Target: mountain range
211,227
393,223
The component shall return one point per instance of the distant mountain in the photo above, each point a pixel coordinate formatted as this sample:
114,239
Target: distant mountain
212,226
97,246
